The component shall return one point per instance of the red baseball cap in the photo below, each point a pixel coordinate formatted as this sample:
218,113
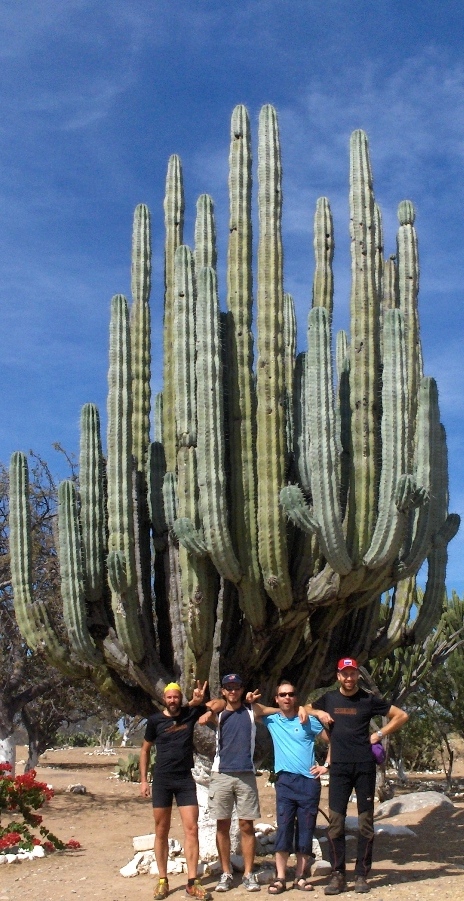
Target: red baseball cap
346,662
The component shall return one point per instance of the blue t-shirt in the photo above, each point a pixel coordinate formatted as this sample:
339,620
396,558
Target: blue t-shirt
235,741
293,742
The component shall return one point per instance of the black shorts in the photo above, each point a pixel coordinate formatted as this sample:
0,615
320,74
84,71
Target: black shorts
182,788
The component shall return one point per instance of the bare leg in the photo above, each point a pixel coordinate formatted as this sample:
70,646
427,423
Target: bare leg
162,817
301,861
189,816
281,864
248,840
223,844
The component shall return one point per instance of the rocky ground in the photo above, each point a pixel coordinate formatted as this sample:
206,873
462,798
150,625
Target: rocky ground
427,865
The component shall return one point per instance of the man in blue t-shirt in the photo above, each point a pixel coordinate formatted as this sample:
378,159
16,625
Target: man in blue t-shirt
298,787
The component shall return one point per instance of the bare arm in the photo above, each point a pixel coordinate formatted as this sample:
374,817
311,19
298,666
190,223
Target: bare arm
321,715
144,761
396,718
321,769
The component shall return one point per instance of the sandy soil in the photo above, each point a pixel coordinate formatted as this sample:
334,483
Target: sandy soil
104,821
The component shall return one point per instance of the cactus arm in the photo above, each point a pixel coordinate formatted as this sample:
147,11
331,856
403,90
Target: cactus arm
343,413
190,537
427,457
408,289
391,520
32,617
289,369
302,437
378,261
211,472
174,222
72,576
296,509
140,334
205,234
170,498
239,373
120,501
323,447
92,508
323,252
156,470
364,372
184,350
272,545
158,417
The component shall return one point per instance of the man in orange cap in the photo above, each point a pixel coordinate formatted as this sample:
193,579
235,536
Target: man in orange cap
172,733
347,712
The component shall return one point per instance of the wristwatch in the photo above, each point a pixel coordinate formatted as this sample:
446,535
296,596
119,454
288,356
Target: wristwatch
380,734
326,765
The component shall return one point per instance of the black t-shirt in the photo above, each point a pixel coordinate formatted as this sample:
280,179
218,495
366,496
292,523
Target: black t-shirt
349,732
173,738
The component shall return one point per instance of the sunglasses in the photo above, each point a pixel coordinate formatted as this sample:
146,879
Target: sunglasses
232,687
286,694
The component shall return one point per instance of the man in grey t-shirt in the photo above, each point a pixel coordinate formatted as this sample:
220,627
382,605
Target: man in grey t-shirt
233,781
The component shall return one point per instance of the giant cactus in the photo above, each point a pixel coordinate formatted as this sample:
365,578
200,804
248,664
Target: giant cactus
261,527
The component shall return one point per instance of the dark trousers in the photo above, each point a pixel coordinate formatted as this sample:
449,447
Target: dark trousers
297,799
344,778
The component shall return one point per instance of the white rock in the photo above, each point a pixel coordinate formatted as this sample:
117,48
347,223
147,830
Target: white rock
24,855
77,789
176,865
11,858
316,849
174,847
413,801
131,868
153,871
391,829
265,828
2,858
321,868
38,851
214,867
143,842
145,862
236,861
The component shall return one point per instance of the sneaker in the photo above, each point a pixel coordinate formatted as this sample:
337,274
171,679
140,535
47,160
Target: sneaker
161,889
197,891
360,885
225,883
251,883
336,885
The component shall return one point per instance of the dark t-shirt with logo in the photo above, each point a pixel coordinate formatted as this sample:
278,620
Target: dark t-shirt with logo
349,733
173,738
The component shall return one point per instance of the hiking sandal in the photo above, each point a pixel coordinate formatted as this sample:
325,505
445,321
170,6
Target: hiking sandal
277,887
303,884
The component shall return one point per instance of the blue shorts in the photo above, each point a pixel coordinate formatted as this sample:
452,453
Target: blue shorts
297,799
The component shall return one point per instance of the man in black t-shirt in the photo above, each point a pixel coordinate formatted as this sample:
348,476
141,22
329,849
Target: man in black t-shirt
347,713
172,733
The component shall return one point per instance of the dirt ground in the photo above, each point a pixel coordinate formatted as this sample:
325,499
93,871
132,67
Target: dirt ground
428,865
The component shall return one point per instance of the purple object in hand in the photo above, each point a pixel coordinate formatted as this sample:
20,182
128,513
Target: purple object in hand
378,752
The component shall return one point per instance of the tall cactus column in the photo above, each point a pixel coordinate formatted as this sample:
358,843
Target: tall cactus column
365,361
271,442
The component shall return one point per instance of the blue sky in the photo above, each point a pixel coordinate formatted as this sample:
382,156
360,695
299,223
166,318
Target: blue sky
95,96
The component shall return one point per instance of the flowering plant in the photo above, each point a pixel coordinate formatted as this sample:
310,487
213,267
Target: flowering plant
22,795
